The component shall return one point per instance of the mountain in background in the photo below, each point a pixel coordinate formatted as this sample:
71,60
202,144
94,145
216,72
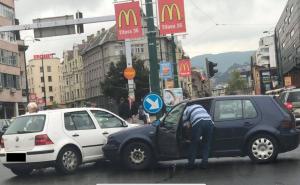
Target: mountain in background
224,60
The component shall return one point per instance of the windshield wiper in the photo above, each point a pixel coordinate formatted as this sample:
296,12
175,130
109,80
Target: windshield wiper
24,132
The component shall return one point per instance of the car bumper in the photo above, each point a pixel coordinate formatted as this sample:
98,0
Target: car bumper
36,165
111,152
32,157
289,141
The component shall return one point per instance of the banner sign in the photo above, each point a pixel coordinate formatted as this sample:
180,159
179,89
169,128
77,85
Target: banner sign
171,16
128,20
173,96
184,68
32,97
166,70
43,56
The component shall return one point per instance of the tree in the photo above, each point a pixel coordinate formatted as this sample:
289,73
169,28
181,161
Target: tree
115,85
236,83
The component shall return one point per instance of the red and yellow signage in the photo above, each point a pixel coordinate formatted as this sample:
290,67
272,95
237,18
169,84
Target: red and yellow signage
184,68
32,97
129,73
43,56
171,16
128,20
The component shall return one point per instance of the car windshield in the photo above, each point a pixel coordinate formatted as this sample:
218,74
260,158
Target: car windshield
26,124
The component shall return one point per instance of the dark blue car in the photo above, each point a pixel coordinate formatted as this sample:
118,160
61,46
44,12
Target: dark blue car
257,126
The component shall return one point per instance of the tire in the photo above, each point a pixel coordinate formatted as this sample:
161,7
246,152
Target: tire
262,148
22,172
67,161
137,156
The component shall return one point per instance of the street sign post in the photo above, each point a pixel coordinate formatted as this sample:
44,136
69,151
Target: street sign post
153,103
129,73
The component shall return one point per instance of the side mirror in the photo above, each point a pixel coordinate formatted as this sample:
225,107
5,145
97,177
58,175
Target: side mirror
124,124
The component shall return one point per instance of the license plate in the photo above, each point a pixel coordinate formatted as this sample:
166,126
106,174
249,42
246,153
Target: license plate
16,157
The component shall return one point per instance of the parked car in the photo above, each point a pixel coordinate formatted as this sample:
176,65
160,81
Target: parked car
257,126
291,99
4,123
63,139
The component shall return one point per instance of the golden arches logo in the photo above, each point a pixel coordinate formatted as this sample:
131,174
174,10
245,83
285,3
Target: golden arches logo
126,15
170,9
184,67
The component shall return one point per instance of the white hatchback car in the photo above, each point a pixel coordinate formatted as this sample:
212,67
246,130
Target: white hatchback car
62,138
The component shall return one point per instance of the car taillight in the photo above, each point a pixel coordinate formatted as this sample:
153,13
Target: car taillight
288,105
42,140
288,124
2,143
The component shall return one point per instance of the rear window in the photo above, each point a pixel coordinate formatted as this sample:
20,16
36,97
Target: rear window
294,97
280,103
27,124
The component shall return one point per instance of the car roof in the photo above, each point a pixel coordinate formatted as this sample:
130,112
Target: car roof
229,97
66,110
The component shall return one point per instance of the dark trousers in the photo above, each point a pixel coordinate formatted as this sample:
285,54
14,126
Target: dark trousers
205,129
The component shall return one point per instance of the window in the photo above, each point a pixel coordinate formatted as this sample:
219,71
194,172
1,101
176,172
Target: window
78,121
50,89
43,89
228,110
77,78
42,79
107,120
294,97
49,78
51,98
41,69
7,12
48,68
26,124
78,94
249,109
173,117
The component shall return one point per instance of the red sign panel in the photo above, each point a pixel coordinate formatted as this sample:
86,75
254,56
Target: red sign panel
185,68
128,20
43,56
171,16
32,97
41,101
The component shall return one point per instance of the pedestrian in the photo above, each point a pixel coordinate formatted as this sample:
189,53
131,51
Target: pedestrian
196,116
134,110
32,108
124,109
143,115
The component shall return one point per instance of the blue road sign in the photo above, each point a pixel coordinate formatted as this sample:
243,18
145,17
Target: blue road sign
153,103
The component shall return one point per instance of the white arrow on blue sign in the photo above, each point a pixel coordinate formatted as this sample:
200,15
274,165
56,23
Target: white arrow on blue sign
153,103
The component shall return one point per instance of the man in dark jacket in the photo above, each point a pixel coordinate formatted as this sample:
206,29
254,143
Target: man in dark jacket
124,109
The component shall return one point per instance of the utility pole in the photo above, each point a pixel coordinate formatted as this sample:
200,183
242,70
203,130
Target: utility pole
154,75
176,83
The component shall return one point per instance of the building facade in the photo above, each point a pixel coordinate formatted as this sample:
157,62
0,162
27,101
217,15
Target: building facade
10,90
73,89
200,84
51,84
287,38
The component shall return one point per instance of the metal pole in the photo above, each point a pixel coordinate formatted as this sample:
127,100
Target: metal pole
26,79
45,97
176,83
154,75
129,64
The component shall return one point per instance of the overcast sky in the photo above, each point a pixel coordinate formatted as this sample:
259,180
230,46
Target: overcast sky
242,23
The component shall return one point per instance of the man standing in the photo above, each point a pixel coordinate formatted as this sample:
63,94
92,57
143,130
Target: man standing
124,109
196,116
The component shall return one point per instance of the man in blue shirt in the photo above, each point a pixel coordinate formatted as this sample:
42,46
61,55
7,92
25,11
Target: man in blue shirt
196,116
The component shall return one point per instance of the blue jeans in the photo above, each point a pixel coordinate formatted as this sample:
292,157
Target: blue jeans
205,129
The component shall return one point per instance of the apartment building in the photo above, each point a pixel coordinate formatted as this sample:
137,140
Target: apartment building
51,84
10,90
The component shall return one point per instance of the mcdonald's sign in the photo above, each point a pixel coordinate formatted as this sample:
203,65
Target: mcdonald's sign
184,68
128,20
171,16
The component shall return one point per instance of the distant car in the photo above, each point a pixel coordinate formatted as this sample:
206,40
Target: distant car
257,126
62,138
291,99
4,123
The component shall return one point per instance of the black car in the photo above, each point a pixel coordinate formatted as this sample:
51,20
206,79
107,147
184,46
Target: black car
257,126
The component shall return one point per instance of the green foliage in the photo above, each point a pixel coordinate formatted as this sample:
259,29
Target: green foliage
115,85
236,83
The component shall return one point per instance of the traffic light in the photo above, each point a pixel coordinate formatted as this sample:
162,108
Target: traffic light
79,26
210,68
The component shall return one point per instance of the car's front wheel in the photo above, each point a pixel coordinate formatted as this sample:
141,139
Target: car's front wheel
22,172
137,156
262,148
67,161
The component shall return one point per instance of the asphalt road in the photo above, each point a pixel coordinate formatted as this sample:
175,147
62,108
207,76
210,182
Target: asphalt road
222,171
